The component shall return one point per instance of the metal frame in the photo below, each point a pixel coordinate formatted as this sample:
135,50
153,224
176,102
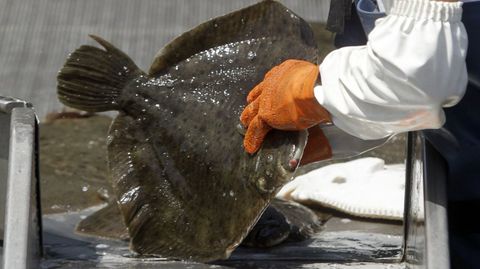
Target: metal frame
426,234
22,238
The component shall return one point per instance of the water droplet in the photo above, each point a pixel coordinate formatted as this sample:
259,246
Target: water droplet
85,188
251,55
130,169
232,193
102,246
103,194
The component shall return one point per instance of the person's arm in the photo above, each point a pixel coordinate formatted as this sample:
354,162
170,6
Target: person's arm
412,66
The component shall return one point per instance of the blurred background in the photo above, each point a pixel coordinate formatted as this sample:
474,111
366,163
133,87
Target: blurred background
36,36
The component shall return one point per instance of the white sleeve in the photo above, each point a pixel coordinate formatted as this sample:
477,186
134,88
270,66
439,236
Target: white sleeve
412,66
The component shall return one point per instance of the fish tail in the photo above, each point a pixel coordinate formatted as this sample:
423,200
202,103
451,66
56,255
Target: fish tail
92,79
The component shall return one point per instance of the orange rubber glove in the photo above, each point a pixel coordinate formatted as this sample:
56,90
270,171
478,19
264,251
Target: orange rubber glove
283,100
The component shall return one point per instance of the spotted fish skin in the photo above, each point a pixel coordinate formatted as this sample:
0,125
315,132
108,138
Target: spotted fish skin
283,221
183,181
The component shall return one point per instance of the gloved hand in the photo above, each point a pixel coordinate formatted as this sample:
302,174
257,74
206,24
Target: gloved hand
283,100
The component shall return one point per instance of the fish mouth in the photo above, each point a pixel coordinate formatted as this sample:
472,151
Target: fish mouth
294,158
286,167
297,152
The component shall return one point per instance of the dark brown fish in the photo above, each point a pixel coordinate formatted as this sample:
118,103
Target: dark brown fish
184,184
106,223
282,221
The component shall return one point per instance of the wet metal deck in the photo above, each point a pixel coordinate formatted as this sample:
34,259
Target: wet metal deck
37,35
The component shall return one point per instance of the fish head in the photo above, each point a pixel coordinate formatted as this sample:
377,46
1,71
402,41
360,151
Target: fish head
276,161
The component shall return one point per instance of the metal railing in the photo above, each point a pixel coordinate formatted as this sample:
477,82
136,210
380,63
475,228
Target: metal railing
20,219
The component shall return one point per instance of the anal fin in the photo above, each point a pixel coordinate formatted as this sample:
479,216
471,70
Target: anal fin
106,222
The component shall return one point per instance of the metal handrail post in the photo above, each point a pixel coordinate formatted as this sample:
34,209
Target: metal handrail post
22,219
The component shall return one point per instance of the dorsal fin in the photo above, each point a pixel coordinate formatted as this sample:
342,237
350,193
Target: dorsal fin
267,18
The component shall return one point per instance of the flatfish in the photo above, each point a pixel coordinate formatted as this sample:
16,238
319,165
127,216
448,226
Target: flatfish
282,221
182,179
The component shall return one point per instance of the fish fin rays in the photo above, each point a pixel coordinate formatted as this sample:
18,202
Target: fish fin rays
153,217
124,160
264,19
303,221
92,79
106,222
